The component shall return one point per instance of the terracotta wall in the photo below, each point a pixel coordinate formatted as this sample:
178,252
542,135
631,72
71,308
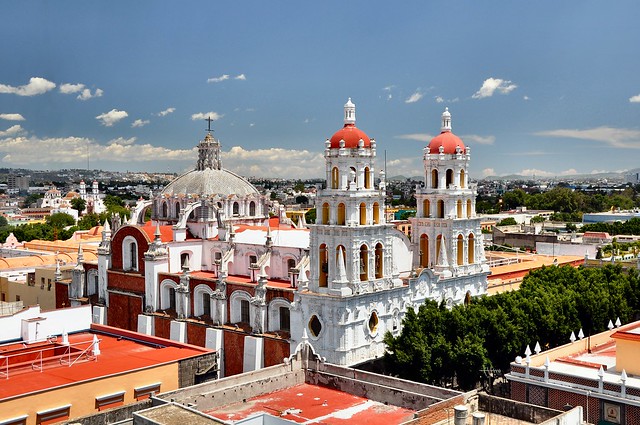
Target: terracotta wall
275,350
233,352
124,310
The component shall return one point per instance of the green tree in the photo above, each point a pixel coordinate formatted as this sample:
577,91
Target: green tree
509,221
310,216
60,220
538,219
78,204
3,221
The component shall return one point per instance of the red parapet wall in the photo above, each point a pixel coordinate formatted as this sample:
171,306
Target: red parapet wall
233,352
128,282
162,326
196,333
275,351
62,295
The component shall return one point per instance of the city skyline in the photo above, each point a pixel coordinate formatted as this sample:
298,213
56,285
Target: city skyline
534,89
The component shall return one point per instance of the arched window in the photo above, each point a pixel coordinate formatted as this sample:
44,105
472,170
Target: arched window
426,208
354,173
364,262
325,213
424,250
236,209
252,208
335,178
438,247
92,282
376,213
164,209
168,295
323,266
471,249
206,305
184,258
363,214
434,179
245,317
459,208
341,214
202,301
367,178
129,254
440,209
460,250
378,263
291,264
278,315
449,177
240,307
462,176
177,209
469,208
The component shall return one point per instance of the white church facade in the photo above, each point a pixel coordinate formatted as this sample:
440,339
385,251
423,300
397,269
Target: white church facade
213,269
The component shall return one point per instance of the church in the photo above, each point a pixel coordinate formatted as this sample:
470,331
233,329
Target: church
211,268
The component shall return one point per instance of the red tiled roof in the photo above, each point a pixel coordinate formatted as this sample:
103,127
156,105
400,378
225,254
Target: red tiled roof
166,232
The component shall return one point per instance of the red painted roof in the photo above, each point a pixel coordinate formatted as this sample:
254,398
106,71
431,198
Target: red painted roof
448,140
166,232
351,136
307,403
121,352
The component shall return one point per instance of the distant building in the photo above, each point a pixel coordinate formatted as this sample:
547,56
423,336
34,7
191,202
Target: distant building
609,217
17,184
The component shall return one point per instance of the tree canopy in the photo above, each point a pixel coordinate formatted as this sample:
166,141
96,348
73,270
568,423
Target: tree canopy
441,346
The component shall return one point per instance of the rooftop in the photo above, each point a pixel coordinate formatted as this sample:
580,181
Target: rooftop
53,363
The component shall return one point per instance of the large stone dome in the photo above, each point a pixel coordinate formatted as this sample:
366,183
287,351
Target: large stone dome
210,182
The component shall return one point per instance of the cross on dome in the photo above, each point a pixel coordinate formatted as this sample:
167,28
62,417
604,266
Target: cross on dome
209,151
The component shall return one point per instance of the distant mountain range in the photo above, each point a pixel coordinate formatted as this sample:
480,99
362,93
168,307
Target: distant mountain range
612,175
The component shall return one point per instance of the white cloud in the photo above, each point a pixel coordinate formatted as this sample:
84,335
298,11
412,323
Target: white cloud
268,162
140,123
438,99
110,118
598,171
481,140
67,88
166,112
37,85
635,99
490,86
205,115
86,94
420,137
414,97
72,151
535,172
218,79
252,124
12,131
408,167
615,137
11,117
525,97
241,77
487,172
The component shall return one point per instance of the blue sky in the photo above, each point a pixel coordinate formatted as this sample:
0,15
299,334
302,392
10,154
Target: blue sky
544,88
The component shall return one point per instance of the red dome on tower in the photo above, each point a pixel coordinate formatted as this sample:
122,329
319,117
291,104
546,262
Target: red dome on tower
350,133
449,141
351,136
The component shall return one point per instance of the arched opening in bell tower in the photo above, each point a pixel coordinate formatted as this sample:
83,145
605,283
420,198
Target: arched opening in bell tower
367,178
325,213
460,250
379,253
462,176
441,209
434,179
449,178
424,251
459,208
363,213
341,214
376,213
335,178
469,208
323,266
364,262
438,247
426,208
471,249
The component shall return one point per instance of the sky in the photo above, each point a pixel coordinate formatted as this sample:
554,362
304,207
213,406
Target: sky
542,88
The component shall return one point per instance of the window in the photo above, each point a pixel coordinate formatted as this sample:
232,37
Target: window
449,178
426,208
17,297
129,254
335,178
440,209
462,177
373,322
471,249
460,250
19,420
424,250
434,179
469,208
325,213
177,209
164,209
341,214
142,393
379,253
133,259
252,260
367,178
364,263
110,400
172,298
206,304
315,326
236,209
42,283
323,266
363,213
244,311
184,259
376,213
284,319
459,208
291,264
57,414
252,208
